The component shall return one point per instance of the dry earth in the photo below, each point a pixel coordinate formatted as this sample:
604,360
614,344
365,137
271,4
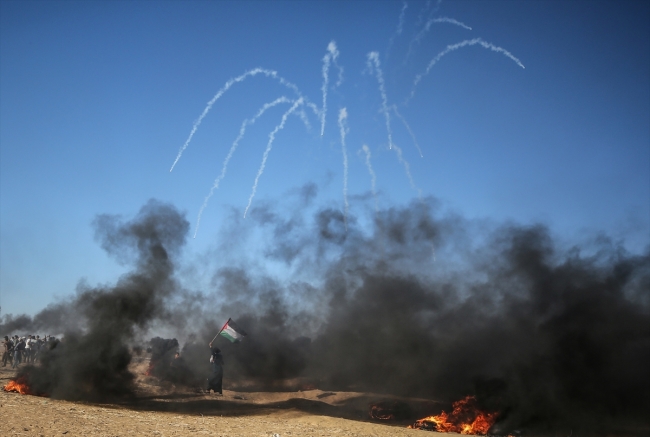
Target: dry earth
159,411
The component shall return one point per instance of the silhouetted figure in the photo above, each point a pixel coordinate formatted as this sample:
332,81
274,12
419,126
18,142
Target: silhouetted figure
216,378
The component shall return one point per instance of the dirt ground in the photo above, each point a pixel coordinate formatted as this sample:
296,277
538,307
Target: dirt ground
167,411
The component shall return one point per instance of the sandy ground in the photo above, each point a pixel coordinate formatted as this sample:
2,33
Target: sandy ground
159,411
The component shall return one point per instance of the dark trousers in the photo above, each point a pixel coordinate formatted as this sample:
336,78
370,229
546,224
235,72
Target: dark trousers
216,378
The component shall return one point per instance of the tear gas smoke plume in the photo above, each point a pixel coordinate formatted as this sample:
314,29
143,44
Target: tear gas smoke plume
551,338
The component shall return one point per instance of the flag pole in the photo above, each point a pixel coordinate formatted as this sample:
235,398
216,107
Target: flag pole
222,328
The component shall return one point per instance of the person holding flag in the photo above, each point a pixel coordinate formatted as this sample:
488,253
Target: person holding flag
216,377
233,333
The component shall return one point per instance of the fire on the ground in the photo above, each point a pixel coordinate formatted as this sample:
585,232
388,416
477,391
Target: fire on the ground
465,418
18,386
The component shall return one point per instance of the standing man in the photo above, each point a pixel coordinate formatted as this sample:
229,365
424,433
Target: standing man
19,350
8,350
29,349
216,378
39,344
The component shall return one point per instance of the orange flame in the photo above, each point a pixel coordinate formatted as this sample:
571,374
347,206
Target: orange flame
18,386
465,418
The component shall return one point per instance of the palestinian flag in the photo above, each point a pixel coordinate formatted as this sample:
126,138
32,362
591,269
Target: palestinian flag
232,332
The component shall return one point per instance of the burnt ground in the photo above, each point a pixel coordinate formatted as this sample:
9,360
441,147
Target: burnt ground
164,410
161,409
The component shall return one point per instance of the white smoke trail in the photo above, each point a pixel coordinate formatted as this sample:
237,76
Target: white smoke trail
269,145
373,177
431,21
399,30
304,118
326,66
331,55
452,47
447,20
427,26
373,58
226,87
408,128
423,12
400,24
343,115
335,61
235,144
311,105
407,169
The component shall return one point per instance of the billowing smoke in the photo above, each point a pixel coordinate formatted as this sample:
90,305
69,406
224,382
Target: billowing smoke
553,337
548,339
100,322
163,351
418,302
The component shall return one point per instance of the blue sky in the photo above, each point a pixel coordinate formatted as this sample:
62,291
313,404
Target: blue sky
97,98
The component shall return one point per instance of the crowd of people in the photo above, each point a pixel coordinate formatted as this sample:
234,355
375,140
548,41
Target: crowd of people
17,350
27,350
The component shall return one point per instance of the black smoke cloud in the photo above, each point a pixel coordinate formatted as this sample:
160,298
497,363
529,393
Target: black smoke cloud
548,340
553,337
91,362
412,301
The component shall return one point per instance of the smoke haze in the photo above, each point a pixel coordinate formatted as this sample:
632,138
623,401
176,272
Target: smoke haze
92,360
412,301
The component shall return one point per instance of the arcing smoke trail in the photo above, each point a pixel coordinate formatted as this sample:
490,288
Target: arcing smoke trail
408,128
332,55
226,87
373,177
373,63
303,116
339,81
431,21
400,24
407,169
234,146
399,30
418,37
444,20
269,145
453,47
425,10
343,115
326,66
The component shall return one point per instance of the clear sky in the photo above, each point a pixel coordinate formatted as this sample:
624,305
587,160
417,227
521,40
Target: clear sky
97,98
